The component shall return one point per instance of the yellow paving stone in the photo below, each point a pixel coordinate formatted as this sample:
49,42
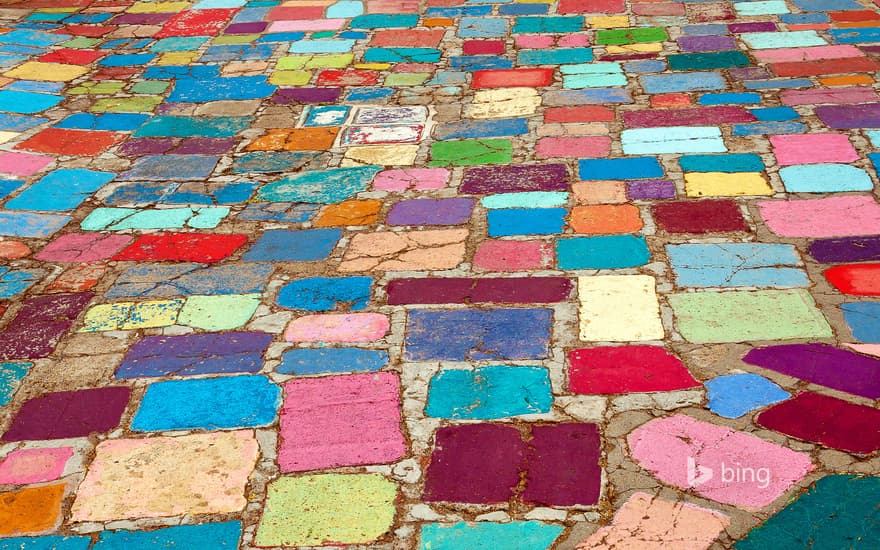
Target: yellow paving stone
608,21
387,155
373,66
720,184
503,102
290,78
52,72
650,47
157,7
619,308
177,58
333,61
131,315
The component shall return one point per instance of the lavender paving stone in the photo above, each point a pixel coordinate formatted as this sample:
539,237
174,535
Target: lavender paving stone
308,361
822,364
650,189
40,322
195,354
511,179
496,334
706,43
866,115
186,279
61,415
452,211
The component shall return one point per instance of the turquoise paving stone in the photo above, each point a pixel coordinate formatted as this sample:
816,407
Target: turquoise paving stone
34,86
730,98
735,162
824,178
208,403
839,511
294,245
863,319
768,7
345,9
790,39
117,219
736,264
171,168
34,38
768,128
673,139
11,375
113,122
685,82
60,191
276,161
384,21
557,56
549,24
320,186
489,392
223,193
707,61
182,126
50,542
14,282
179,44
479,63
482,27
603,252
594,75
182,537
526,221
534,199
27,103
231,88
338,45
307,361
326,293
26,224
620,169
734,395
515,535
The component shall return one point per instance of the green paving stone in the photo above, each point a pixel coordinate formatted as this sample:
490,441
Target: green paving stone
617,37
406,79
97,88
149,87
235,39
218,312
711,60
140,104
81,42
334,61
471,151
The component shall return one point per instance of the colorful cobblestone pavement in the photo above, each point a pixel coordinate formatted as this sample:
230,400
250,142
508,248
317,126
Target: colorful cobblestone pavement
439,275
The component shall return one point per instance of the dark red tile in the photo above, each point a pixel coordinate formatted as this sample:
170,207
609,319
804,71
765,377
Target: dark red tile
563,465
626,369
60,415
707,216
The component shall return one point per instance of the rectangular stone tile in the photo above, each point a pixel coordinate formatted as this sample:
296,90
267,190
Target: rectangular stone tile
736,264
619,308
42,320
459,290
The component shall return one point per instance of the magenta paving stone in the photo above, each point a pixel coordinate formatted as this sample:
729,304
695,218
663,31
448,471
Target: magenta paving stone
563,465
846,249
139,147
475,463
83,247
463,290
204,146
288,96
866,115
431,212
752,26
825,420
40,322
695,116
66,414
515,178
822,364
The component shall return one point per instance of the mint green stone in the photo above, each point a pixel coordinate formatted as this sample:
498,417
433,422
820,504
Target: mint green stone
529,199
149,87
469,152
223,312
115,219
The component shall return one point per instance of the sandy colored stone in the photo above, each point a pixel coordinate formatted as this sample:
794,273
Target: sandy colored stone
405,250
385,155
503,102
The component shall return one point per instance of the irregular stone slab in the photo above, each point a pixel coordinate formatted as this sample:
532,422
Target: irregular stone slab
411,179
60,190
515,535
225,535
26,466
855,279
716,462
182,247
431,249
118,219
734,395
563,465
744,315
736,264
14,282
822,364
11,375
131,315
307,361
31,510
155,477
346,420
320,186
489,392
826,421
826,217
618,308
160,281
194,354
861,317
846,249
326,293
82,247
320,509
626,369
461,290
42,320
348,328
649,521
66,414
296,245
26,224
837,512
218,312
496,334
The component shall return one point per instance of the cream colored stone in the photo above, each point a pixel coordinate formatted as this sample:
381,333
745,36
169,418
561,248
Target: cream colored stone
619,308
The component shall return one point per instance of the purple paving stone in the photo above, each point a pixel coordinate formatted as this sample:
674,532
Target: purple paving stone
287,96
752,26
64,414
563,465
141,18
822,364
693,116
40,322
205,146
431,212
846,249
464,290
515,178
253,27
650,189
192,354
714,43
870,49
748,73
138,147
865,115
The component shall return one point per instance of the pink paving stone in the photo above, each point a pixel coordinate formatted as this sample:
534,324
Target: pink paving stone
806,54
313,25
414,179
534,41
24,466
573,41
676,446
23,164
812,149
350,327
513,255
573,147
825,217
83,247
334,421
846,96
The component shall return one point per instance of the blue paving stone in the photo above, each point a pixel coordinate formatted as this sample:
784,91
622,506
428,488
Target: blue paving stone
326,293
27,103
824,178
49,542
620,169
734,395
777,84
736,264
33,38
736,162
551,24
237,52
322,46
139,194
34,86
482,27
768,128
730,98
253,14
865,35
356,35
223,535
278,212
111,122
19,123
345,9
292,36
208,404
685,82
276,161
9,61
11,375
369,94
645,66
468,129
171,167
307,361
827,5
14,282
305,245
523,9
185,279
220,89
178,44
61,191
127,60
223,193
193,75
7,187
602,252
863,319
526,221
320,186
458,11
775,114
557,56
515,535
704,30
26,224
402,55
183,126
479,62
803,18
474,335
384,21
595,96
88,18
487,393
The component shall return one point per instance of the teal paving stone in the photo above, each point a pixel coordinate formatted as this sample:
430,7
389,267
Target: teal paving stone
303,245
188,76
26,224
673,139
402,55
707,60
515,535
824,178
179,44
768,128
309,361
326,294
325,115
730,98
556,56
632,168
549,24
14,282
487,393
230,88
482,27
282,212
594,75
11,375
384,21
789,39
181,537
61,190
468,129
767,7
838,511
171,168
186,279
526,221
221,403
27,103
267,162
339,45
111,122
320,186
736,264
49,542
686,82
863,319
529,199
602,252
865,35
118,219
734,395
345,9
732,163
182,126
